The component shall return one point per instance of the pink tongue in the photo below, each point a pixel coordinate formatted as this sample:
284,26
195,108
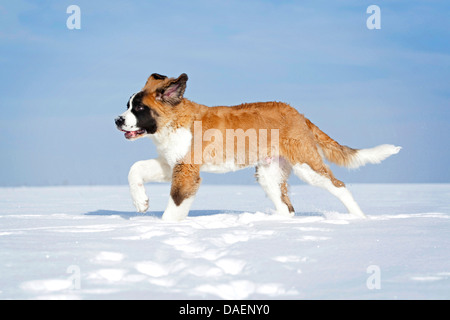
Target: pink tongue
130,134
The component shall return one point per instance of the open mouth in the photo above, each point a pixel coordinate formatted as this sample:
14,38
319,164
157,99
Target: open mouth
133,134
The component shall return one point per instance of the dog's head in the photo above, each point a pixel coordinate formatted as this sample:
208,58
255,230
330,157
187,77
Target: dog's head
153,107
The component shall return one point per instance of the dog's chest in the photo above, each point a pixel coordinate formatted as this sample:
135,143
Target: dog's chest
172,144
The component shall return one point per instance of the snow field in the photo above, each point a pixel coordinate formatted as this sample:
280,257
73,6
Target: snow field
88,243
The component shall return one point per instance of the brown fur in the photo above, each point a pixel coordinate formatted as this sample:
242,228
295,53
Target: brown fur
300,140
186,181
333,151
285,197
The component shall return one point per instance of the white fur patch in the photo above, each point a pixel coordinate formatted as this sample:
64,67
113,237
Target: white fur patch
304,172
177,213
155,170
221,167
270,177
130,119
373,155
172,144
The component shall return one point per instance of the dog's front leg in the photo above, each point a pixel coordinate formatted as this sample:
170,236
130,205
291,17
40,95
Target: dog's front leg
185,183
153,170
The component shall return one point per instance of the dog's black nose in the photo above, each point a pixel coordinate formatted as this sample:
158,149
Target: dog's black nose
120,121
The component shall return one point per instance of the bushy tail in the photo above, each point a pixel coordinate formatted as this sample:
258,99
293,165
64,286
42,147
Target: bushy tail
346,156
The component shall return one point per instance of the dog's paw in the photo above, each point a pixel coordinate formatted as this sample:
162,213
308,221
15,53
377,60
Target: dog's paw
139,197
141,206
284,211
177,213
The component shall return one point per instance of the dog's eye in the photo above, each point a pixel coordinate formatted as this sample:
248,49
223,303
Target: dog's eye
140,108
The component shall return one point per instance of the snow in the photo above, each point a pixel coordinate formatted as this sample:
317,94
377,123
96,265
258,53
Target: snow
87,242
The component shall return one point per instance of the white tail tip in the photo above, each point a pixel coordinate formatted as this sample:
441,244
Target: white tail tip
373,155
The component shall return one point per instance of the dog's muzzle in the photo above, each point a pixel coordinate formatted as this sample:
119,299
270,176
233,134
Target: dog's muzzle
120,121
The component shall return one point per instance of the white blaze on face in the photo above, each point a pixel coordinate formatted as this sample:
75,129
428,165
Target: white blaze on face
129,117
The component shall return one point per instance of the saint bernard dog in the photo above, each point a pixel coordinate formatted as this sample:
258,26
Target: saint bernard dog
191,138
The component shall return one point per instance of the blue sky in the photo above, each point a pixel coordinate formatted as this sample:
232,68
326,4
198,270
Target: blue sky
61,89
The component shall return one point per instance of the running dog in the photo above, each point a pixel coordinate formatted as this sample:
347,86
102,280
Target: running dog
191,138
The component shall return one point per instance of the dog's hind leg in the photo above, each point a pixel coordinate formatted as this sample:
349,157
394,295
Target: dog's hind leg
308,165
153,170
325,179
272,176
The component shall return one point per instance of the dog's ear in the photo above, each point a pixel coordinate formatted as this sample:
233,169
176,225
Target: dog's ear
153,81
158,76
172,92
